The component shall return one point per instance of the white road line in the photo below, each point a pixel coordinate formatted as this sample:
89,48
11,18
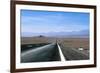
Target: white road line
61,54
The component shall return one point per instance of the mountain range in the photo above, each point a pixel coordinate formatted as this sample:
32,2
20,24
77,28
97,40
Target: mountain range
81,34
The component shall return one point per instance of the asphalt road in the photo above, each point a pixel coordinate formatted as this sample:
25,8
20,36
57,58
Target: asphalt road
41,54
51,52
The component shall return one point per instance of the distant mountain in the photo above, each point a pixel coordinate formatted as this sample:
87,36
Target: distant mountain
83,34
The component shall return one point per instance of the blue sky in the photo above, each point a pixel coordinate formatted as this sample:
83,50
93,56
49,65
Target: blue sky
33,21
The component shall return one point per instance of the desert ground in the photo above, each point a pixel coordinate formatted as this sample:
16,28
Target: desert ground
67,42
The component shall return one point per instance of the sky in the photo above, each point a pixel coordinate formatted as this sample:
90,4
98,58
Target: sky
33,21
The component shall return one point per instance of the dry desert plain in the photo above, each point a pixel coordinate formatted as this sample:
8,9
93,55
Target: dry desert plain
68,42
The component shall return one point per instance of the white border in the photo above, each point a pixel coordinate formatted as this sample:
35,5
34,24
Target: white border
57,63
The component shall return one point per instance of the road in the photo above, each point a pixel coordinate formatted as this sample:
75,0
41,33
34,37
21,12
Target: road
51,52
41,54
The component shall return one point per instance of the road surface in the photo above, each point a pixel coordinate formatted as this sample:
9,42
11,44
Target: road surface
41,54
51,52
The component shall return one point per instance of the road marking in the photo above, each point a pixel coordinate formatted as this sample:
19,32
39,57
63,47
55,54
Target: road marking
61,54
